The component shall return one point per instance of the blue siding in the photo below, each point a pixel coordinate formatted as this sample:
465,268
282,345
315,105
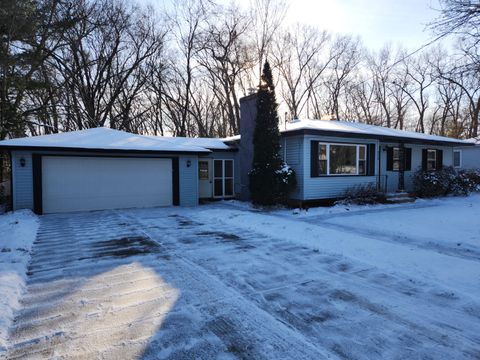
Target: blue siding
470,157
188,181
390,178
22,180
292,154
331,186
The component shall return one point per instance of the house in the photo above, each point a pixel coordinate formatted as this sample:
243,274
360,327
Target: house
332,156
468,157
102,168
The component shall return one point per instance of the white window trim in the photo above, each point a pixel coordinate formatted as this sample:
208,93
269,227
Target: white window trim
460,158
357,158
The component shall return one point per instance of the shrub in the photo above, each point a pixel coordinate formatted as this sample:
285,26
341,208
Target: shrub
362,195
473,178
444,182
432,183
287,182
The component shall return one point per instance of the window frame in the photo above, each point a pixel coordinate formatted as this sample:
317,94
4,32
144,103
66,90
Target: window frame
357,159
459,158
430,151
203,172
395,160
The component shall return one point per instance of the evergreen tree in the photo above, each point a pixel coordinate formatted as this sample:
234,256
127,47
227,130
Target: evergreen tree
267,164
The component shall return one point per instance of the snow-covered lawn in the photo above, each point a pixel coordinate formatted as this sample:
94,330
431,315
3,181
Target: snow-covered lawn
17,233
228,281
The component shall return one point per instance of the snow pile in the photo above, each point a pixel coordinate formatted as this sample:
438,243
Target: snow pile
17,233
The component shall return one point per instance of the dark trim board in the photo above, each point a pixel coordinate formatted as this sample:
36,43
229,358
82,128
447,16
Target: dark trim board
10,157
390,139
37,184
175,181
42,149
37,176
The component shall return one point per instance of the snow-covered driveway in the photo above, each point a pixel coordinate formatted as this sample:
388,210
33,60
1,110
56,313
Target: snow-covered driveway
225,282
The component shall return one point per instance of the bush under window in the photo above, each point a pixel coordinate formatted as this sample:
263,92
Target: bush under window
447,181
362,195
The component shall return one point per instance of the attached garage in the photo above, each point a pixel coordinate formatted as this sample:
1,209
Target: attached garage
100,169
78,183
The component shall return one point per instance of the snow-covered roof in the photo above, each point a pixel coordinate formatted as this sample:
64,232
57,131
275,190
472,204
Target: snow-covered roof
360,128
105,139
206,143
475,141
231,138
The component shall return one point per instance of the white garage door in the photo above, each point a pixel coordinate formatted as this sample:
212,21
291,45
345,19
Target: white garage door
97,183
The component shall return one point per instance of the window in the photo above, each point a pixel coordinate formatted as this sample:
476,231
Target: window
339,159
322,159
203,170
396,159
362,160
394,155
431,159
343,160
457,158
223,178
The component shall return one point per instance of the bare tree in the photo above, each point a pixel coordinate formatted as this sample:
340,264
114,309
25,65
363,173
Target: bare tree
346,57
298,57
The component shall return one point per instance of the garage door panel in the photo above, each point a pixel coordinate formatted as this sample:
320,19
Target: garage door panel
96,183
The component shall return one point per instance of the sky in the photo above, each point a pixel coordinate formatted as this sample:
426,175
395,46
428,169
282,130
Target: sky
375,21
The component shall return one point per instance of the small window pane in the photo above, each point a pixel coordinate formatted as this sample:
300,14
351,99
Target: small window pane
228,187
361,167
396,159
218,171
322,159
456,158
361,152
228,168
431,159
203,170
218,187
343,159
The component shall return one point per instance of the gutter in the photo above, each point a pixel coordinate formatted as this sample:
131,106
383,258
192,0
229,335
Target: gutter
394,139
101,150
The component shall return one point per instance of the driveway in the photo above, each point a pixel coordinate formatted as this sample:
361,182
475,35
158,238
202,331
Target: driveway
187,283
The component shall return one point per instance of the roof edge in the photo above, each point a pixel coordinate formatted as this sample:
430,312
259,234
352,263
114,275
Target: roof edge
385,138
102,150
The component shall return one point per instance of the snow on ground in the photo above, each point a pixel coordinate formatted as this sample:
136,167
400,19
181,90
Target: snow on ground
348,238
17,233
450,222
228,281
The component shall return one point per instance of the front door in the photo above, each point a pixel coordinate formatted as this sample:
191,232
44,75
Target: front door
222,178
205,179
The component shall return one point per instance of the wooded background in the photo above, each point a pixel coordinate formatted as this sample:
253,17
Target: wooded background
74,64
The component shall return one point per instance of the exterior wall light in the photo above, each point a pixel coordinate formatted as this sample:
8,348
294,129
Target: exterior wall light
189,163
22,162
